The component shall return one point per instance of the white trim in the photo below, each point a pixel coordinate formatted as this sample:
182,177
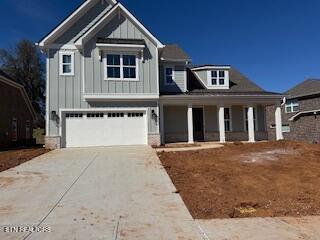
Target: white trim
185,80
121,46
96,27
211,68
62,46
121,109
137,78
83,73
157,71
48,94
165,75
65,22
64,53
315,112
93,97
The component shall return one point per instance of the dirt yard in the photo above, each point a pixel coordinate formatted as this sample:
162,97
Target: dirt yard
13,158
248,180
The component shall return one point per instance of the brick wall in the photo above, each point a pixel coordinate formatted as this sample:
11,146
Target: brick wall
13,106
306,128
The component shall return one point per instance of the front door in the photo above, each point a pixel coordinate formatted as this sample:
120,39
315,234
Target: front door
198,128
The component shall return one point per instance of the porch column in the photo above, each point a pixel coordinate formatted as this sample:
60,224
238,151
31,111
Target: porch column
251,124
190,124
278,119
222,129
162,136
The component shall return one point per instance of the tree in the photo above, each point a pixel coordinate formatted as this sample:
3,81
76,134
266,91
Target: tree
25,65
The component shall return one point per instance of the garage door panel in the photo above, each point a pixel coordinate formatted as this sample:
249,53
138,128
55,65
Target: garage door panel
106,131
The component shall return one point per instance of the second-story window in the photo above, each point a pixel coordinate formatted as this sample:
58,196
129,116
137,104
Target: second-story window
121,67
169,75
218,78
67,63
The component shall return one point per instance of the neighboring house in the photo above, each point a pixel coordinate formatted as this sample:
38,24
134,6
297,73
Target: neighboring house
110,81
301,113
16,115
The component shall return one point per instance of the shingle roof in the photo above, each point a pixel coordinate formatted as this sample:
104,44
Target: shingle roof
238,84
306,88
173,52
121,41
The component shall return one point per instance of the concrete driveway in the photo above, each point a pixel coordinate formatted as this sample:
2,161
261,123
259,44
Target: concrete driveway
95,193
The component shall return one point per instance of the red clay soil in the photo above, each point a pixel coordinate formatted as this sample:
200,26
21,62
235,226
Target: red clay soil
271,179
13,158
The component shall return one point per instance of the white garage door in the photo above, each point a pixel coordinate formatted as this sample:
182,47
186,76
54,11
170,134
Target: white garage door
105,129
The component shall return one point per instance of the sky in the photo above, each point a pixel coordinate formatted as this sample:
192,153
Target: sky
275,43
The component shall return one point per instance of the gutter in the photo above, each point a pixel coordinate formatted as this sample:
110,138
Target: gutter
312,112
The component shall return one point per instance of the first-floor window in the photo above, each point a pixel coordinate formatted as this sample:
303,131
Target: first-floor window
121,67
67,63
246,111
227,119
14,134
169,75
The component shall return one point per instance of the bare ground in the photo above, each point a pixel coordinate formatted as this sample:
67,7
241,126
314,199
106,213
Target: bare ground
272,179
13,158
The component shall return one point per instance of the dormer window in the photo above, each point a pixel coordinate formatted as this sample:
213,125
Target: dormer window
218,79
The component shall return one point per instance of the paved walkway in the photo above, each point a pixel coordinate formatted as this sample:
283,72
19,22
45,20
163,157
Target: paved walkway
306,228
95,193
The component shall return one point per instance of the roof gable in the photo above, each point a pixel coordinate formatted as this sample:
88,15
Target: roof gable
4,78
306,88
69,21
116,9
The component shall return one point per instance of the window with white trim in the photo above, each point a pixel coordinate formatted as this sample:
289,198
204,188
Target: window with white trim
121,67
217,78
246,110
169,75
227,119
66,63
292,107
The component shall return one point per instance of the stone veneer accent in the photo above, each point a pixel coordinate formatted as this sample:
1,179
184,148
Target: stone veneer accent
154,139
53,143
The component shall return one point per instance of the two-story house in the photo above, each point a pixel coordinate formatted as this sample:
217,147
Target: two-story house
110,81
300,111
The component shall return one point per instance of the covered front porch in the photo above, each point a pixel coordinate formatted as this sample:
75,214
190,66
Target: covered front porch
196,119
